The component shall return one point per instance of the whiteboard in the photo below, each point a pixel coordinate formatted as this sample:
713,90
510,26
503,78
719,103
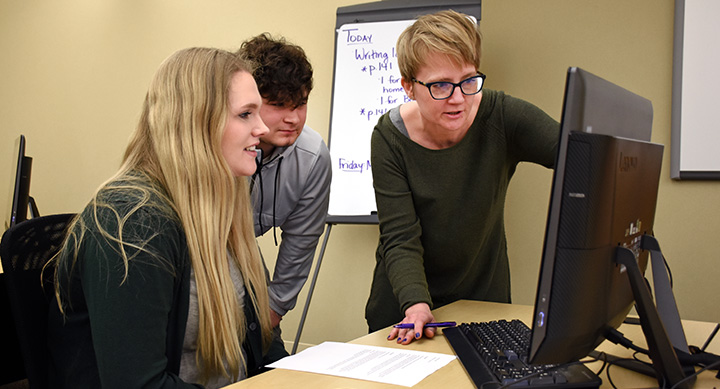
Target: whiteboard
366,85
695,124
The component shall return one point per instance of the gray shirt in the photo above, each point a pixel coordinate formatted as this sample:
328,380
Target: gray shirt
189,370
291,191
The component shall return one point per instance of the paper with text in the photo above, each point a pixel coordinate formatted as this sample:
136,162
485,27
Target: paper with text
371,363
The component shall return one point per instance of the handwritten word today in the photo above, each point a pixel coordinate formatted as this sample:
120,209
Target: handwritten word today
353,37
346,165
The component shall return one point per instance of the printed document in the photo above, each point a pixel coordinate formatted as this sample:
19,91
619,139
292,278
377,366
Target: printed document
379,364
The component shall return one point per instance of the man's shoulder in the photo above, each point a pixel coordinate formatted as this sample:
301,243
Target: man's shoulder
310,141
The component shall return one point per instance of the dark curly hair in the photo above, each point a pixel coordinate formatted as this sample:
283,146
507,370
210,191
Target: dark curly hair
282,71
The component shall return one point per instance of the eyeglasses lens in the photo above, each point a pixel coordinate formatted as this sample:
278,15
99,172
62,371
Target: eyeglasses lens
443,90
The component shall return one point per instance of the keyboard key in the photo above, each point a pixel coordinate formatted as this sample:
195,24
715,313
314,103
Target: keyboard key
541,380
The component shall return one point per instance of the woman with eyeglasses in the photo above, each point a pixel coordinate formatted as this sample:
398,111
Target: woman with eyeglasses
441,167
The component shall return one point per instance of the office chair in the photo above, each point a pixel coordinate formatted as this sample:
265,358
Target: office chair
25,248
12,369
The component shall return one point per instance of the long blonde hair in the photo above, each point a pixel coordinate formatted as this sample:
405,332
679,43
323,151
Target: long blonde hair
177,146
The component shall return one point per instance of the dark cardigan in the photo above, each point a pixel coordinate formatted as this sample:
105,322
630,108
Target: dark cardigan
129,333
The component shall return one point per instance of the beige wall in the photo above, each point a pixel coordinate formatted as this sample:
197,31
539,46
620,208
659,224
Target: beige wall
73,75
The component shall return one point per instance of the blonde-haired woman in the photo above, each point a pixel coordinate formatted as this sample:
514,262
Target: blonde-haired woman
160,284
441,167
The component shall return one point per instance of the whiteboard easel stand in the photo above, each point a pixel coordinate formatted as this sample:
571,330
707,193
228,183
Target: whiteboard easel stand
330,221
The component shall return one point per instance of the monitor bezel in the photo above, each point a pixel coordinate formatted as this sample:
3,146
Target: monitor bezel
20,186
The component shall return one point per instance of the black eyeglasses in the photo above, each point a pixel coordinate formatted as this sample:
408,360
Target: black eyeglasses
442,90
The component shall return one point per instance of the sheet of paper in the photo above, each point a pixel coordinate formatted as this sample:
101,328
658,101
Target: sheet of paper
379,364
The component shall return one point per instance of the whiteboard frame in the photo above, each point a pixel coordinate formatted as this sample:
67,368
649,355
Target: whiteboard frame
678,134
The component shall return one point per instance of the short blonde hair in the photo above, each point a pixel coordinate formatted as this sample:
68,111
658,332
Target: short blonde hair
446,32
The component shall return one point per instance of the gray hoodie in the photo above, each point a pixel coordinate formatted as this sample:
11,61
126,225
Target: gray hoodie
291,190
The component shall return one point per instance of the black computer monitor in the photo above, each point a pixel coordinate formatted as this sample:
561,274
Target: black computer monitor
22,202
603,202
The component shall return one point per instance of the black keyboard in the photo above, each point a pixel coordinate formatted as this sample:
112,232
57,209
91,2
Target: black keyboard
495,355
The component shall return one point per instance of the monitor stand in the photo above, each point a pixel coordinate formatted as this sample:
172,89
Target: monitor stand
664,297
654,319
32,208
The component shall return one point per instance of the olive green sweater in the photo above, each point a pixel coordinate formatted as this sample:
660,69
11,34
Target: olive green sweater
122,332
442,233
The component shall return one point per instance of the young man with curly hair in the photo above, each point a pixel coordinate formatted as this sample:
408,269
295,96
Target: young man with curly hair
292,184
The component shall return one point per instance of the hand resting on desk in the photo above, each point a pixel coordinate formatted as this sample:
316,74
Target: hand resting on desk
418,314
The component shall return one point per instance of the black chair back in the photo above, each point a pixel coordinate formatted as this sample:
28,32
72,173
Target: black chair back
25,249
